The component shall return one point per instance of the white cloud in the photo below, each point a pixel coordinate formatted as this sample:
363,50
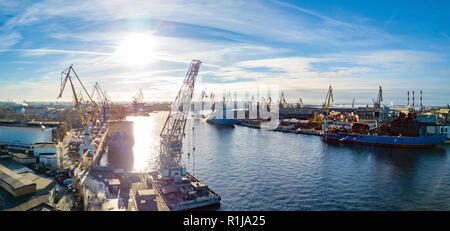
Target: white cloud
245,61
9,39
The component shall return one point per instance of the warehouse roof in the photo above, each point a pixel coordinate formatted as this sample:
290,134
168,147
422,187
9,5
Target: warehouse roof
14,183
44,145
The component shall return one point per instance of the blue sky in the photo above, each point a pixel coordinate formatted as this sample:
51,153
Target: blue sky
302,47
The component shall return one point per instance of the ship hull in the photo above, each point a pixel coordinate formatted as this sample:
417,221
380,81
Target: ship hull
386,141
222,122
121,155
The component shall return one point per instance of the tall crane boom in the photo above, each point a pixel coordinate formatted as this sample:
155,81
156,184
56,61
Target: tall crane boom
377,106
326,108
100,94
173,131
328,99
283,103
66,74
299,103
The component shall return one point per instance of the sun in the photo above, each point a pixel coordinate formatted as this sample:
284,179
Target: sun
136,49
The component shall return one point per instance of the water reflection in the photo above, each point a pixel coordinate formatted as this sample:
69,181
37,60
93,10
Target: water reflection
146,143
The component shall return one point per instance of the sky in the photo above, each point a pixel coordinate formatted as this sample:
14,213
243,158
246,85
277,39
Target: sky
300,47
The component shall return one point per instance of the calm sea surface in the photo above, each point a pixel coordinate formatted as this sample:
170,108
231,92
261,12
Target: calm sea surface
264,170
24,135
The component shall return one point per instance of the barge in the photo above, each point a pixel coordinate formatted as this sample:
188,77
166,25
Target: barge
188,194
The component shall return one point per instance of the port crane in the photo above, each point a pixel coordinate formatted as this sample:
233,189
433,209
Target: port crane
170,166
299,103
377,106
65,75
139,97
283,103
100,94
204,95
103,99
326,107
213,102
268,103
137,100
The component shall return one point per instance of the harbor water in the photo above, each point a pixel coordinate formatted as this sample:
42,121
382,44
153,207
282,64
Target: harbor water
24,135
265,170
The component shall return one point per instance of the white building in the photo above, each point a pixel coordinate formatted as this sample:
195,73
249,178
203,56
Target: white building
44,148
48,159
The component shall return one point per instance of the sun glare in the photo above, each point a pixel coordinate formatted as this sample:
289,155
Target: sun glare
136,49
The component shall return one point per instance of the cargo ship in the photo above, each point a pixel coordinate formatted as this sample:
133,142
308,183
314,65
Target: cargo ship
402,131
212,119
222,122
190,194
120,141
387,141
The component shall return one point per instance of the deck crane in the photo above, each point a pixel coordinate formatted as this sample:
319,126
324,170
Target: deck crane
66,74
377,106
326,107
170,166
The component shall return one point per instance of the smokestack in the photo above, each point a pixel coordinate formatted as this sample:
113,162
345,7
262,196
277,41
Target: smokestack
421,98
413,99
408,98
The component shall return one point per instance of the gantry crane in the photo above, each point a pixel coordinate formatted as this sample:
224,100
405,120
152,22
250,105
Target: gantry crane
66,75
326,107
377,106
170,166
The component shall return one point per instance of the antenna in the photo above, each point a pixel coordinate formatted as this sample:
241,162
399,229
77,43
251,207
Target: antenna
408,98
